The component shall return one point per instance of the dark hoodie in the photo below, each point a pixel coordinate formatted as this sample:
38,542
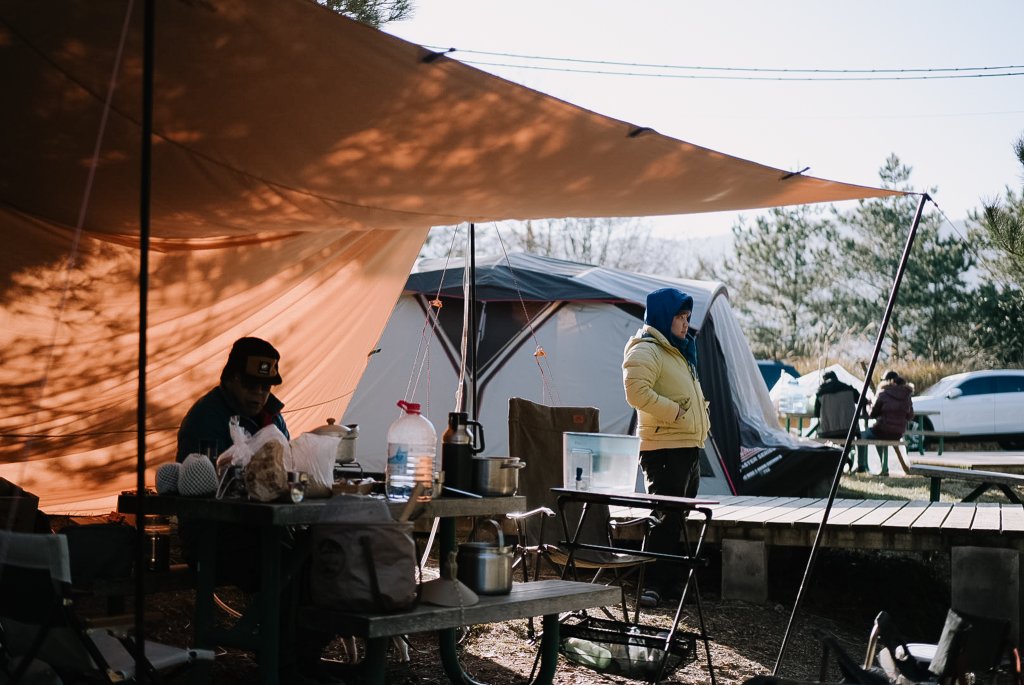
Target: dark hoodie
892,409
662,307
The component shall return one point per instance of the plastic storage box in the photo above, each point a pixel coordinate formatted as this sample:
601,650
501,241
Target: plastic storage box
601,461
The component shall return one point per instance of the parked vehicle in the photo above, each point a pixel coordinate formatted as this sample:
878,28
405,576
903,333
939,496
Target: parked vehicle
771,370
981,405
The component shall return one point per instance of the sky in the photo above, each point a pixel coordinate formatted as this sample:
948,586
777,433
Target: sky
957,134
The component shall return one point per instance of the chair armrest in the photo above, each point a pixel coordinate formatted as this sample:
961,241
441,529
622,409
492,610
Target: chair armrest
523,515
649,521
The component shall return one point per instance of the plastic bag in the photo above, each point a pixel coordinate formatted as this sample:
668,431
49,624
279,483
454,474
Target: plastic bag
243,446
316,454
265,459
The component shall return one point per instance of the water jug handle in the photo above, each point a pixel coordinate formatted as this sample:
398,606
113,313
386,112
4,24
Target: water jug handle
478,436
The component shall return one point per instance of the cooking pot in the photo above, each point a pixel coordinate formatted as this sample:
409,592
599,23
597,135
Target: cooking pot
346,434
486,567
496,476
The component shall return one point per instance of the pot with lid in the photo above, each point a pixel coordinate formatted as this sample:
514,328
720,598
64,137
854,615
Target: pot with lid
486,567
496,476
347,435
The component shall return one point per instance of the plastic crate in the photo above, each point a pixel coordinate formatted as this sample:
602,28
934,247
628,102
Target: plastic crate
625,649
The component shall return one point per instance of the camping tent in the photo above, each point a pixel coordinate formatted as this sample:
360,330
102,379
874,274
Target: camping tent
804,388
580,316
298,161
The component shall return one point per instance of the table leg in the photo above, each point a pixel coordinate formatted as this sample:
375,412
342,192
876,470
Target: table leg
883,456
374,665
935,489
270,604
206,574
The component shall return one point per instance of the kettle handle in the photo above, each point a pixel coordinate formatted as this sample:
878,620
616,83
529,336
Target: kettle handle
478,436
497,528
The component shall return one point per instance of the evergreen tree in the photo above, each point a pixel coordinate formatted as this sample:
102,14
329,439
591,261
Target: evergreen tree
998,232
779,279
374,13
927,319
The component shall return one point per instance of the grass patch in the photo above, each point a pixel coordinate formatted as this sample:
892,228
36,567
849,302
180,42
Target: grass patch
870,486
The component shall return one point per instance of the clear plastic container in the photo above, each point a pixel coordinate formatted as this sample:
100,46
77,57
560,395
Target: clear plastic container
412,448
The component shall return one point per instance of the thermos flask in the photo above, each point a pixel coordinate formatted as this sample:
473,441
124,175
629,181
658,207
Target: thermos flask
458,445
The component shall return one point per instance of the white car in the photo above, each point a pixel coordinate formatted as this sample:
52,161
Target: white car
982,405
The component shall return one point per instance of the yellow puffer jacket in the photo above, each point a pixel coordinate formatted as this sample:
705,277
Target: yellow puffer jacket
658,381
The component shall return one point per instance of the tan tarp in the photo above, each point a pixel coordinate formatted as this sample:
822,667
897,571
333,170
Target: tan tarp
299,159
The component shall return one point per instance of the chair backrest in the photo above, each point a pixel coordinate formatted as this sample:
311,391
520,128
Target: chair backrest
35,578
535,436
969,644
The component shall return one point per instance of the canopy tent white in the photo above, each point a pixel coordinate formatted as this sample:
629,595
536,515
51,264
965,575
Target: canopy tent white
580,315
298,160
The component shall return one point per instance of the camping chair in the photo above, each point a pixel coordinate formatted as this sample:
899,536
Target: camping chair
968,644
535,436
41,634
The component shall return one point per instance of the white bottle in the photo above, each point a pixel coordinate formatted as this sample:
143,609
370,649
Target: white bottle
412,447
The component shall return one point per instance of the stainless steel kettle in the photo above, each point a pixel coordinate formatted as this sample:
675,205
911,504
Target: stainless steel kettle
347,434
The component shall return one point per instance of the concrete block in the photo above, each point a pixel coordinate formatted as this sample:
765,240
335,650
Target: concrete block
986,581
745,570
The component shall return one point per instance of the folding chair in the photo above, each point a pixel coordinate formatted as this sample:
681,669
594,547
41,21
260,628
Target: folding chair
535,436
968,644
40,631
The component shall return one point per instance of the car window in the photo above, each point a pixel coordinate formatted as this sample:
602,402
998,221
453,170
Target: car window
940,388
976,386
1009,383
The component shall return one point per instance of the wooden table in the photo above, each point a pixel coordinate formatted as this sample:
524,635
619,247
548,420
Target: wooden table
683,507
260,626
973,460
995,471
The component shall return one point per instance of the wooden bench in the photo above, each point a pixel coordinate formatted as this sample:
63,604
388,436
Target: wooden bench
883,450
984,479
547,598
916,438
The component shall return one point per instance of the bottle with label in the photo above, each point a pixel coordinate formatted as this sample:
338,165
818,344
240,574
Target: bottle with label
412,447
458,445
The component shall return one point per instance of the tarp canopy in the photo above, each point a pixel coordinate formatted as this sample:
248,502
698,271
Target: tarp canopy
299,159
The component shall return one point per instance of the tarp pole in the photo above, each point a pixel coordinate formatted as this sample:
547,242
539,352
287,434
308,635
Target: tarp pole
474,413
853,424
145,181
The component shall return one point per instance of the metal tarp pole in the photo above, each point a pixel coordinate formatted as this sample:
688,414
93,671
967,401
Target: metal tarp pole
145,181
853,423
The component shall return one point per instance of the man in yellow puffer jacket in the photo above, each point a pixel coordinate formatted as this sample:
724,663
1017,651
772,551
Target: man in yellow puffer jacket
659,374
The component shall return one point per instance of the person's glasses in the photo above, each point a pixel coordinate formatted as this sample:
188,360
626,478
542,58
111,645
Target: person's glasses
254,386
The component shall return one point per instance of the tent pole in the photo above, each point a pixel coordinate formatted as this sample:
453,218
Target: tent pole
145,181
853,423
471,346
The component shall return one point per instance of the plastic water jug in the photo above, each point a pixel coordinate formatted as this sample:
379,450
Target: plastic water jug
412,446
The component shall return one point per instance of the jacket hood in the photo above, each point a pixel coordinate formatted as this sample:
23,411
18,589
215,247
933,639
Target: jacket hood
662,306
900,391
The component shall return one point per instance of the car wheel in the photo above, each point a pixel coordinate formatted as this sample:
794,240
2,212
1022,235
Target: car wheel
1015,443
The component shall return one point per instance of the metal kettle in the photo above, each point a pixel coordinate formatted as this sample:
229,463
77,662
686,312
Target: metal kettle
347,434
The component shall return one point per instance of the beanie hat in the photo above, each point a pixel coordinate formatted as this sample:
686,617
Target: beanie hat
255,359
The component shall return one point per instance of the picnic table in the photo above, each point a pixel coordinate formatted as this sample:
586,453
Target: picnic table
1002,472
273,519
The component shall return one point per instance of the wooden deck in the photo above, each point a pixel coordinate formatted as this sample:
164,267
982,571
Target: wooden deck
868,524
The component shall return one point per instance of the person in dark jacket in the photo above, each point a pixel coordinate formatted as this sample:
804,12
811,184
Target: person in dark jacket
891,410
244,391
835,403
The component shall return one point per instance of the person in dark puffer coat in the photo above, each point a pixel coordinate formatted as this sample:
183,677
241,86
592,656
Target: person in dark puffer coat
892,410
